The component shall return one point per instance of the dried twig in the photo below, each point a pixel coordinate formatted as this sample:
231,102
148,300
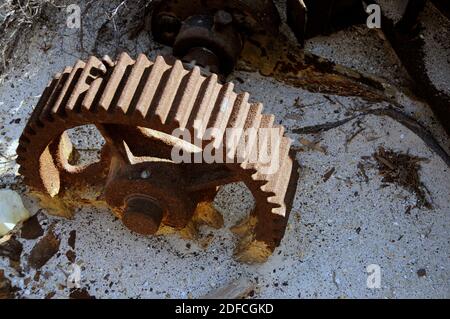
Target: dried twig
16,17
403,170
394,114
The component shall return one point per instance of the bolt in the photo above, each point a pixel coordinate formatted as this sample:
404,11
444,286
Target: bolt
145,174
142,215
222,18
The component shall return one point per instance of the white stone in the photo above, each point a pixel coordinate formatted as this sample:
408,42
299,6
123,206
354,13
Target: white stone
12,210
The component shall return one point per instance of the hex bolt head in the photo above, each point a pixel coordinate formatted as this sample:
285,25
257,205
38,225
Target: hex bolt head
142,215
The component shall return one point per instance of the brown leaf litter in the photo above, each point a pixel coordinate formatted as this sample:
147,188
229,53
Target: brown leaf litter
11,248
328,174
311,146
44,250
80,293
31,229
403,170
7,291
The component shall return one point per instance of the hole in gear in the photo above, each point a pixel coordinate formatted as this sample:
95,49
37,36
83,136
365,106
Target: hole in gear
87,143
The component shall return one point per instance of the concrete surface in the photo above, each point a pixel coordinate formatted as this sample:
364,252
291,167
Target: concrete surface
337,228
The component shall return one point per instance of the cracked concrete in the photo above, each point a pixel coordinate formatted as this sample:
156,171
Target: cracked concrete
337,227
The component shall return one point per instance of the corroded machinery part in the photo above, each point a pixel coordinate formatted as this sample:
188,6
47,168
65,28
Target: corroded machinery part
137,105
255,16
212,32
405,37
309,18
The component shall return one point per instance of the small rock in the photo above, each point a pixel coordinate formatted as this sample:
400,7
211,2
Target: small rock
421,272
233,290
12,210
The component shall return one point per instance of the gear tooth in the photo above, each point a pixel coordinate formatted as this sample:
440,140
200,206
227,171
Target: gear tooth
236,124
29,131
203,105
68,89
67,69
168,87
281,189
115,83
131,90
267,121
21,160
23,140
254,116
22,171
240,111
107,61
280,129
150,87
270,141
223,105
45,113
185,99
21,150
275,179
97,87
124,55
34,121
92,93
256,153
221,113
88,74
249,140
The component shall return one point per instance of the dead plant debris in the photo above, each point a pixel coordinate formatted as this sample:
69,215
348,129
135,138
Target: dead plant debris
403,170
7,291
31,228
44,250
72,238
362,172
71,256
328,174
311,146
17,17
11,249
80,293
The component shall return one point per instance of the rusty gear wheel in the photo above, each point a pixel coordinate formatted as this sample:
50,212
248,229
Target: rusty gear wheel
136,105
